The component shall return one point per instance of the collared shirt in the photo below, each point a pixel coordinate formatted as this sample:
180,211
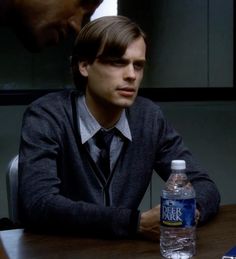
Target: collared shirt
88,127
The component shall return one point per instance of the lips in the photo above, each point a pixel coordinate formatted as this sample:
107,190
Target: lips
126,91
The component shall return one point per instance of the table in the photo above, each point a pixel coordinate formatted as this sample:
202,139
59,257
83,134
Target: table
213,240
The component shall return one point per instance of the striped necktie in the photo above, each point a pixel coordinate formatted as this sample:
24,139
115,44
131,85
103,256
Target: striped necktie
103,140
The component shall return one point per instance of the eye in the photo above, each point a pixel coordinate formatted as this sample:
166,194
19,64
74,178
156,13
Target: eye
118,62
139,65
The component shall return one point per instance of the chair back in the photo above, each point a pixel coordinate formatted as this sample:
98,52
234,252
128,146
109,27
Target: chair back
12,189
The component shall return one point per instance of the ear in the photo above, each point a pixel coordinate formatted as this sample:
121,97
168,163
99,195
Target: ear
83,68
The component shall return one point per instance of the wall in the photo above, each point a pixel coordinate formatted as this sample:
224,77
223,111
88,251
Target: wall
208,129
10,117
20,69
190,42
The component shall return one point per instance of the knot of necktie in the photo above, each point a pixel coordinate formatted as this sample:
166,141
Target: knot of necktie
104,138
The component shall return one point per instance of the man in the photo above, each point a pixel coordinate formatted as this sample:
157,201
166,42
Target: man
65,183
40,23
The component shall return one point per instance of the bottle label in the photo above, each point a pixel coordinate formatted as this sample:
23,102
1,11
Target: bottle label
178,213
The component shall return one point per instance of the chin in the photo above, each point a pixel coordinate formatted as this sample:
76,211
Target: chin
125,103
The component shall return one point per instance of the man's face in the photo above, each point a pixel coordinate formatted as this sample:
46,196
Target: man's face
114,84
41,23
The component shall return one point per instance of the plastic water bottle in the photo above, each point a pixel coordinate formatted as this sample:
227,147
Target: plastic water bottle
178,205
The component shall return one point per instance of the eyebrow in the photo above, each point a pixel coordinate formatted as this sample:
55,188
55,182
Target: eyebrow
121,60
141,60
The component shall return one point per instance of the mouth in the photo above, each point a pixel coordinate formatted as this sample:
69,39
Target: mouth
126,91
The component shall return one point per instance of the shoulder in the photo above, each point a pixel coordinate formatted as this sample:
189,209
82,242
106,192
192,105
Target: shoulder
145,112
146,106
55,101
54,98
57,105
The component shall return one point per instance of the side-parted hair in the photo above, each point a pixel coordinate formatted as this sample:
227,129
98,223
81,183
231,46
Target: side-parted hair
105,39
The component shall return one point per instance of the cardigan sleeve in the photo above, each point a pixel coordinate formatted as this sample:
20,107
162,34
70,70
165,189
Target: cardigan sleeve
171,146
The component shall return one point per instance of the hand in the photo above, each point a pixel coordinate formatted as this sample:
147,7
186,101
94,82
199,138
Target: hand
149,226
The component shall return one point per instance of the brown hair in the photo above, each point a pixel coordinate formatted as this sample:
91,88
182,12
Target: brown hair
104,38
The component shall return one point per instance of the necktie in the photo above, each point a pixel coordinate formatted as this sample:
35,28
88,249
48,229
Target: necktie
103,141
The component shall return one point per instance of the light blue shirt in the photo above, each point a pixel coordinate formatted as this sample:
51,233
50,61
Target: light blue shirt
88,127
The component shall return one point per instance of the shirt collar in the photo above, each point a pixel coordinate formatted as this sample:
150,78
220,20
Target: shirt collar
88,126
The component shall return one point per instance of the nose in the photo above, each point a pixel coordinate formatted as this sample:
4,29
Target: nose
129,72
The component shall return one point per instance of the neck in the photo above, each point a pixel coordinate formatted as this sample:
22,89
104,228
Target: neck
105,115
108,119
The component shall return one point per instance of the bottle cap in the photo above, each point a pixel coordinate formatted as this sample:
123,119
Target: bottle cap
178,165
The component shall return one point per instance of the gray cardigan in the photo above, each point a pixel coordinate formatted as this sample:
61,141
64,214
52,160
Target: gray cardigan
60,188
